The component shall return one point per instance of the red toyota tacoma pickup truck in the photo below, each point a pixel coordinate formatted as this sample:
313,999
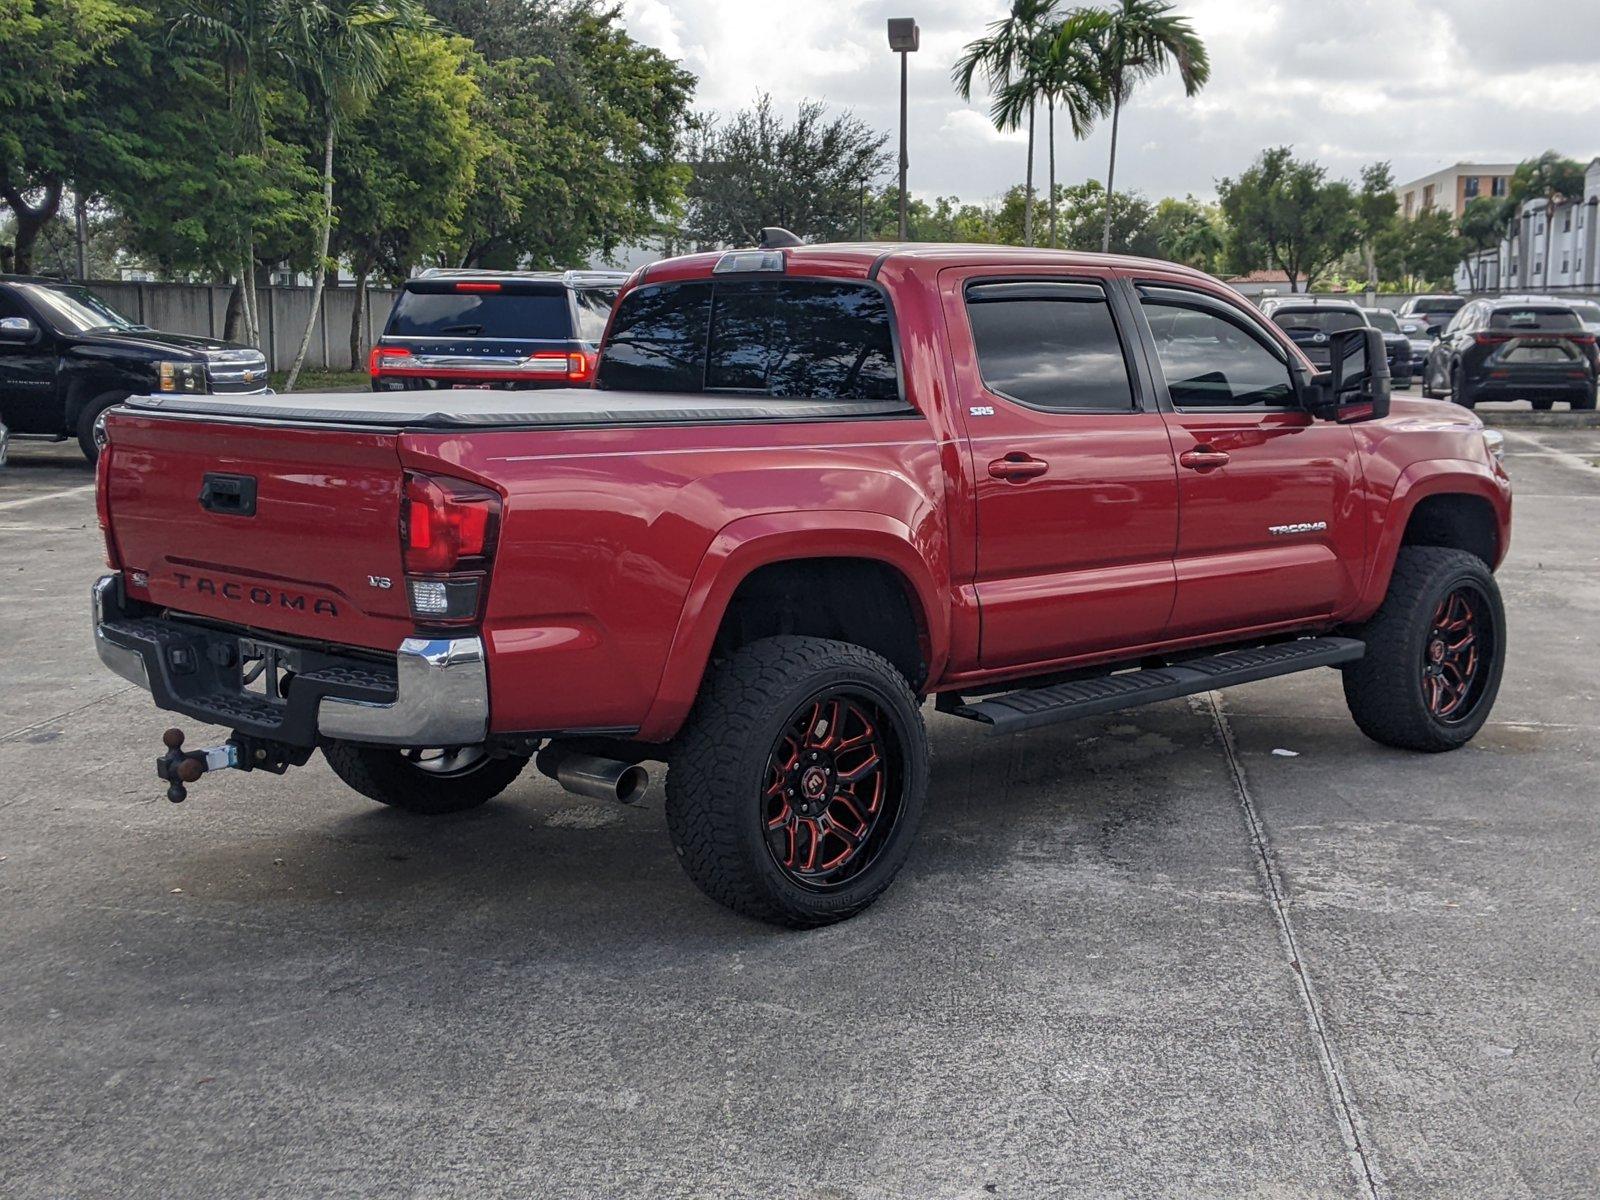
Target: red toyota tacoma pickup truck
811,488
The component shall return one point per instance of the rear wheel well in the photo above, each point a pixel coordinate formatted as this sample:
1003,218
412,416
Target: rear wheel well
1457,522
857,600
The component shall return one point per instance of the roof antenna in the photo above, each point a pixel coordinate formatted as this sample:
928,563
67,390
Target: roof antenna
773,238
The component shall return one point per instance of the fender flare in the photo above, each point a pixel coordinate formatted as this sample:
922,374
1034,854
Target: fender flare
1434,477
749,543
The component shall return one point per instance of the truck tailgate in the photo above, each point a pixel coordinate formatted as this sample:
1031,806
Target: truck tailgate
287,530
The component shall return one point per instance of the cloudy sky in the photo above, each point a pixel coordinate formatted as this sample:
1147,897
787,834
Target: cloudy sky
1422,83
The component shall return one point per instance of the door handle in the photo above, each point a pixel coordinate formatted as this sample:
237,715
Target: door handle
1017,467
1203,458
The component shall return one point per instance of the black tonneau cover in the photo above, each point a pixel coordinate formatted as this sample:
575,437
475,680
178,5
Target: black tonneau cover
483,408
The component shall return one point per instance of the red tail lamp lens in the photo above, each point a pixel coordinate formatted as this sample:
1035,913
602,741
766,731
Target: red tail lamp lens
475,286
380,356
445,522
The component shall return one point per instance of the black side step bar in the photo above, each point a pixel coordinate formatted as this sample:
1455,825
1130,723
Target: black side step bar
1034,707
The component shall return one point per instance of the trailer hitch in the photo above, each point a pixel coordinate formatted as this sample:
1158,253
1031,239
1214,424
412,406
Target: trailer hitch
178,766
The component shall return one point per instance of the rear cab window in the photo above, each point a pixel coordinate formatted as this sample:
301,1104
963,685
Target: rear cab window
783,338
491,309
1050,345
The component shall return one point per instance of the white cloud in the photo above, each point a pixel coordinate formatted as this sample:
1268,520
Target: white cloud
1416,82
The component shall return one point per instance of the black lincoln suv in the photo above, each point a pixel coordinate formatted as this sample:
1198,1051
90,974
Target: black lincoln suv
1514,350
497,329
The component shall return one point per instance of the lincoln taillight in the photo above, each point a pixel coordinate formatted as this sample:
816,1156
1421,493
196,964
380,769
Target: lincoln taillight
448,531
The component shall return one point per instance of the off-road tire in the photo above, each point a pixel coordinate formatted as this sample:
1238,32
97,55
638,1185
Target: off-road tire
86,419
385,775
1385,688
721,760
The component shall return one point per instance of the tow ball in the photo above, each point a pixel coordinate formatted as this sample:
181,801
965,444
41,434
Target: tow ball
177,766
239,753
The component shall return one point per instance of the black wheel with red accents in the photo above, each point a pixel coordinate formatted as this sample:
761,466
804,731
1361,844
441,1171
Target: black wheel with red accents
1435,652
797,784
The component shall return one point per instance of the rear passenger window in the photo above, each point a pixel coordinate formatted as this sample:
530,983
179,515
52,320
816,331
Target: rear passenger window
791,338
1050,345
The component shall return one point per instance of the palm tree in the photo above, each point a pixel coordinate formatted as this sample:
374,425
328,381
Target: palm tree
1003,57
1137,40
1064,74
341,52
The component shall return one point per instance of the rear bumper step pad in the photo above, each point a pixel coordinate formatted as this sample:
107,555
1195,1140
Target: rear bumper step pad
1036,707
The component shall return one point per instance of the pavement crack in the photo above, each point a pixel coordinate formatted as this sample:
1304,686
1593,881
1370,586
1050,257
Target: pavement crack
71,712
1352,1127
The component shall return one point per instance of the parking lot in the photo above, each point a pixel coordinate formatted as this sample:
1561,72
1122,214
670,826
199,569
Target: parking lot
1220,947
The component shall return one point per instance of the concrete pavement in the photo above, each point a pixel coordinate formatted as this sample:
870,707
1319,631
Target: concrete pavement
1147,956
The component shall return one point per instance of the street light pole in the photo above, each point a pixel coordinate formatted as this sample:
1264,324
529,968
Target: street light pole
904,37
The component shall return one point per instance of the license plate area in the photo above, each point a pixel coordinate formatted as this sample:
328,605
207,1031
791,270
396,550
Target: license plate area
266,670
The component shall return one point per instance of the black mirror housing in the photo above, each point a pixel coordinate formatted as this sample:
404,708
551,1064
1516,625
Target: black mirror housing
1356,385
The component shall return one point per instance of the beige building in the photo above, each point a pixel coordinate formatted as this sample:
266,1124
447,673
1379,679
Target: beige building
1451,188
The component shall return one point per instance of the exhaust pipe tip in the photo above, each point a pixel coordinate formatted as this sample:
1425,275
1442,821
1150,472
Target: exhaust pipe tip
596,778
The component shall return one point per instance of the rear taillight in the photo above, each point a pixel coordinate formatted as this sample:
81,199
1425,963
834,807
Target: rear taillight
102,504
1491,339
1582,339
448,530
383,356
581,363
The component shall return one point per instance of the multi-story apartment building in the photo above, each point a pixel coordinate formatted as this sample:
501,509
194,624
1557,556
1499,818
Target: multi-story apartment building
1451,188
1544,251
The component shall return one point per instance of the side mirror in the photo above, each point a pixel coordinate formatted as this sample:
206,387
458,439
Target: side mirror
17,329
1356,385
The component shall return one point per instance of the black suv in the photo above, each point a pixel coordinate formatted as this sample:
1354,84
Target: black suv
1509,350
507,329
1311,324
66,356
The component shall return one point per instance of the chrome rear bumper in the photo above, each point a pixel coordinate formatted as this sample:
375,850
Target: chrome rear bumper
436,695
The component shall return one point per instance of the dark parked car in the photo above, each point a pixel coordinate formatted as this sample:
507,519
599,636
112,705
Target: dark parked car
505,329
1312,323
1511,350
66,356
1434,312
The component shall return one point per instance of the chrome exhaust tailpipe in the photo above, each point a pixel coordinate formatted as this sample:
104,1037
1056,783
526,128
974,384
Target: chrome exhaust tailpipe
597,778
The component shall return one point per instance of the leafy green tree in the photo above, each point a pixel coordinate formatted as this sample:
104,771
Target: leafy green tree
1009,54
1284,213
1480,228
406,166
53,57
759,169
1550,178
584,127
1188,232
1376,209
1421,252
1136,40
